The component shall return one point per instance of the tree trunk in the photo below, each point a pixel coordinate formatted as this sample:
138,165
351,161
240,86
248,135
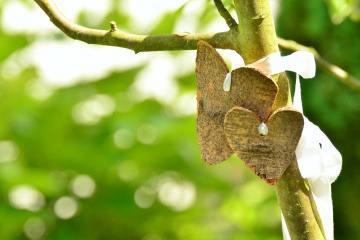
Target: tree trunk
257,39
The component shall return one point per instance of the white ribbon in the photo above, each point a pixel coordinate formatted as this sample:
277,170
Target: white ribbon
227,81
319,161
301,62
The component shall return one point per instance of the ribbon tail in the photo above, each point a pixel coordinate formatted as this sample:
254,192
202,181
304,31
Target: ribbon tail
321,191
227,82
297,102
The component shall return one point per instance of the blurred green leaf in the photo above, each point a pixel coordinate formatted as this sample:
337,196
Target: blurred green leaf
342,9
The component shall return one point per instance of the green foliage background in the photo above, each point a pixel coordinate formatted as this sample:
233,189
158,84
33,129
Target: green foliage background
52,149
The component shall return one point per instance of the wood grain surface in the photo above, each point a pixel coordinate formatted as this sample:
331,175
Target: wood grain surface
250,88
267,156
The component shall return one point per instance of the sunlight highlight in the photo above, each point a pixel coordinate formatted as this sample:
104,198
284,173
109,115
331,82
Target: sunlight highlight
185,105
15,11
157,80
145,15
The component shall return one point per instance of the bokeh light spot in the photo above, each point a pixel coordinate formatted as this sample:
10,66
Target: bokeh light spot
124,139
35,228
66,207
26,197
177,195
128,170
92,110
147,134
144,197
83,186
8,151
39,90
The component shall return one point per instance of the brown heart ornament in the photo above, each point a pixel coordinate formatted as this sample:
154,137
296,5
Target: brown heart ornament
267,155
250,88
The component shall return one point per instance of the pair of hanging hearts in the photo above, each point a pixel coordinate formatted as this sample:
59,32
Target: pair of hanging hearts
228,122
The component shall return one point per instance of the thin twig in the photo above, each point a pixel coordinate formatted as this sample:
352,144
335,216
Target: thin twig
332,69
230,21
138,43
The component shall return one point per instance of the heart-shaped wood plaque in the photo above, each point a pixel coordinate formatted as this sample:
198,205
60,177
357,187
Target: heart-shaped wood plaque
250,88
267,155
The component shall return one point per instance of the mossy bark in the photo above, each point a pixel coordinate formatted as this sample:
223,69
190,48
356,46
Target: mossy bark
257,39
256,29
297,206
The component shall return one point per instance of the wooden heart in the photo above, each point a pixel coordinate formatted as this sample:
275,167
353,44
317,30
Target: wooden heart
269,155
250,88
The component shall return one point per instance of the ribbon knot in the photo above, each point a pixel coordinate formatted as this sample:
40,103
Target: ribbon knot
300,62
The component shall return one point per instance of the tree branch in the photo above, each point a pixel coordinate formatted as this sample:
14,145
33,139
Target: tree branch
332,69
298,206
179,41
230,21
137,43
